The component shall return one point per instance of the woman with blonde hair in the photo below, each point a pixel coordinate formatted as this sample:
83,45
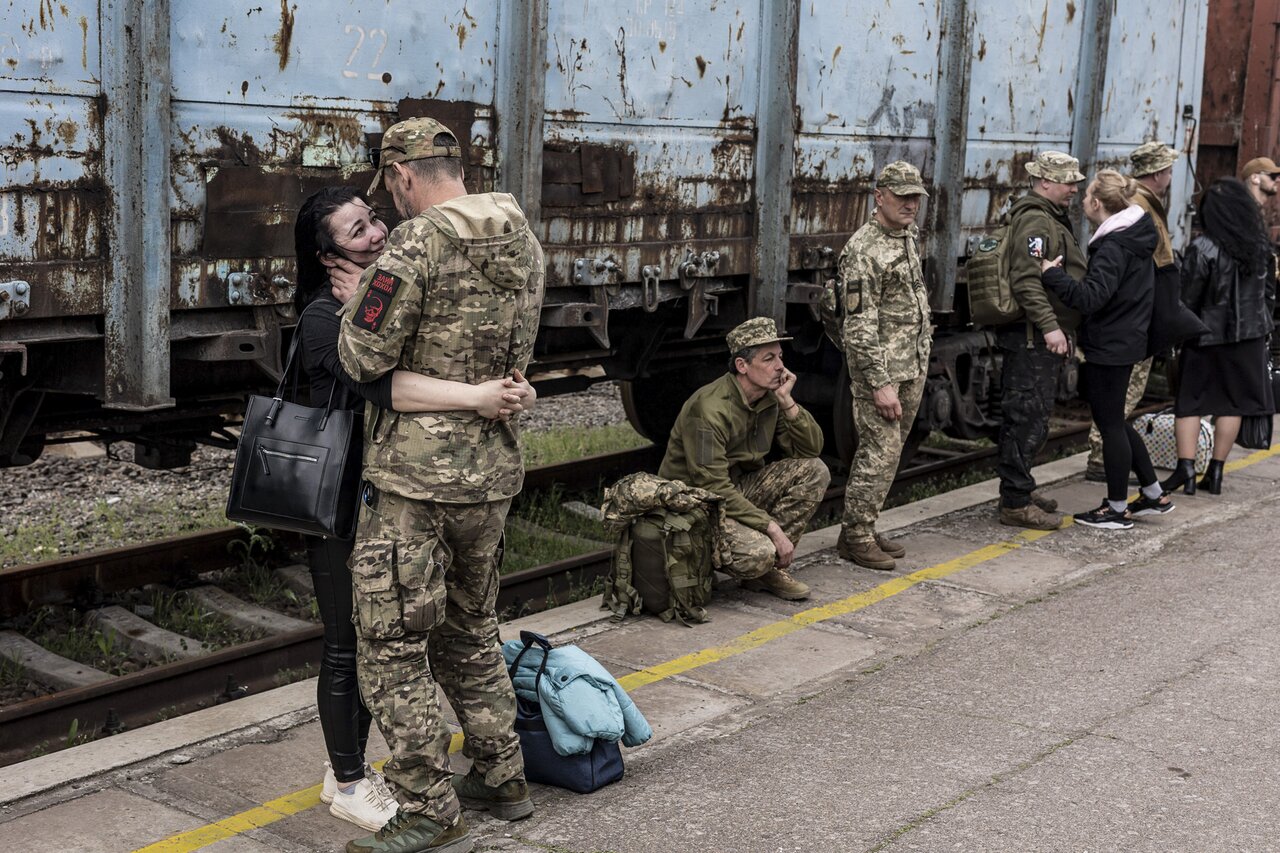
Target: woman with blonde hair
1116,298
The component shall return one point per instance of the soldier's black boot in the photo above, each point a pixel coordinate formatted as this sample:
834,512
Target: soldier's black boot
1211,482
1184,475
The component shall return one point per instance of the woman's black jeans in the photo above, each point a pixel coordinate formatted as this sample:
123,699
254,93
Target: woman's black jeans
1104,387
344,719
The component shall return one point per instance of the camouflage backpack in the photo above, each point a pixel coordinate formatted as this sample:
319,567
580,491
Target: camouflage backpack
991,301
668,542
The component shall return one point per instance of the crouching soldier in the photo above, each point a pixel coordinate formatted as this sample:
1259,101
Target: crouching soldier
720,441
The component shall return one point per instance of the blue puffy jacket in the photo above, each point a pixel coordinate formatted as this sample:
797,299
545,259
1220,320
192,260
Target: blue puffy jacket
580,700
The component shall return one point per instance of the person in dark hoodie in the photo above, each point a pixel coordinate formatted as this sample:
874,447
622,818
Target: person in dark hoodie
1229,281
1115,298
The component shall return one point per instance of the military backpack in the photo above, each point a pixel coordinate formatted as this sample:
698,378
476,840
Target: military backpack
668,535
991,301
836,303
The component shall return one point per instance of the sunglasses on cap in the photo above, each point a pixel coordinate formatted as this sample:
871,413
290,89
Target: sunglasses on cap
375,154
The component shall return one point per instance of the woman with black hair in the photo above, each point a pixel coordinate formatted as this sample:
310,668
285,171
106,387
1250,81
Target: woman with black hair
1229,281
337,235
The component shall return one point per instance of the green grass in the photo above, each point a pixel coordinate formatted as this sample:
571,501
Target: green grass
551,523
12,674
564,444
71,637
177,613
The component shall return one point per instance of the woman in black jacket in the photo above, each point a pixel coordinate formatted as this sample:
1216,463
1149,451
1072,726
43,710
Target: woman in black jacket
1228,280
1116,298
337,235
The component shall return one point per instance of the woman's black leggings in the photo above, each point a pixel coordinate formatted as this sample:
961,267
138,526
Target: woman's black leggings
1104,387
344,719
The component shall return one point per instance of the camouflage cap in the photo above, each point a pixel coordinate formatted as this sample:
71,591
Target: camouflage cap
753,333
901,178
1259,165
411,139
1057,167
1151,157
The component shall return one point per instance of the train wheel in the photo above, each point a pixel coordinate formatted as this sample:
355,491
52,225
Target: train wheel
653,403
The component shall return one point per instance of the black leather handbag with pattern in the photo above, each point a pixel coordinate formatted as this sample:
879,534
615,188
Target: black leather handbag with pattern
297,467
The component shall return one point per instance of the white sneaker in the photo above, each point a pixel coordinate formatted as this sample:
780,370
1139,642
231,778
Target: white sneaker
330,786
369,805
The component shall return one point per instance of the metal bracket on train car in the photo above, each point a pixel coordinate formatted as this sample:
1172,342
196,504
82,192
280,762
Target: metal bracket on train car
818,258
649,287
702,304
240,288
694,267
15,299
21,351
596,272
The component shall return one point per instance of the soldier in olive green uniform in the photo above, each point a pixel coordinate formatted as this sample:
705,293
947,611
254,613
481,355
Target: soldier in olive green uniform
720,441
1033,349
455,295
1152,167
887,337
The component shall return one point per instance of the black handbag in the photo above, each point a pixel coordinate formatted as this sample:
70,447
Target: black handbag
583,773
297,467
1172,322
1255,430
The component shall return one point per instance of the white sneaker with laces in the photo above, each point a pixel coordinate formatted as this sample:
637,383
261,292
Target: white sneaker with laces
330,786
369,805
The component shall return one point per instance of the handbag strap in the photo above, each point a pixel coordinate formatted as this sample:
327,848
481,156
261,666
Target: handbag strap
531,639
290,366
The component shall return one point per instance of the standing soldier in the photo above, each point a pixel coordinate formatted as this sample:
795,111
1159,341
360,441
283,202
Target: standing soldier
1032,349
455,295
887,338
1152,168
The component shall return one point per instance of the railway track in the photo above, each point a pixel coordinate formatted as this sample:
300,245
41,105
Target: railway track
174,688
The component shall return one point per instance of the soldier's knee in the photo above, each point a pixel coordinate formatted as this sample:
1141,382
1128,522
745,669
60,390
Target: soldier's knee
753,559
815,476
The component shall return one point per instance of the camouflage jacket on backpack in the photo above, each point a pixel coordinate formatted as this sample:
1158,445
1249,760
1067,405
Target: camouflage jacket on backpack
687,521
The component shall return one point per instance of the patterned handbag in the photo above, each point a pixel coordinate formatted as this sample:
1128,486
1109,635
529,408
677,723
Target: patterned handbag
1156,432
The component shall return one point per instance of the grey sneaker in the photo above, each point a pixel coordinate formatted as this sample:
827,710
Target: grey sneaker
1031,517
508,801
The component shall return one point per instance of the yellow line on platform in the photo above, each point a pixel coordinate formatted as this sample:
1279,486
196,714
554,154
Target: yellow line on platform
299,801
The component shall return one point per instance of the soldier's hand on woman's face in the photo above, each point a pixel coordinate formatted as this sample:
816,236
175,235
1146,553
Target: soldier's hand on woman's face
887,404
344,277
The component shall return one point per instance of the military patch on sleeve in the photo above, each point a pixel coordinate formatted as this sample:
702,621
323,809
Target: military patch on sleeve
377,300
1035,247
853,297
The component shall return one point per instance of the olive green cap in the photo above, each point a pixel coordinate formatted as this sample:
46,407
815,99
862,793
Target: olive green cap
901,178
1056,166
753,333
1151,157
412,139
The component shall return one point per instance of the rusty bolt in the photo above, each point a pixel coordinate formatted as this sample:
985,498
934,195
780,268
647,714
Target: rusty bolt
19,308
281,281
233,296
598,265
4,296
578,263
577,278
713,258
688,269
20,288
238,279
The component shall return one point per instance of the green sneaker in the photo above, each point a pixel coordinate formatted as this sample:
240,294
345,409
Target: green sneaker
508,801
415,833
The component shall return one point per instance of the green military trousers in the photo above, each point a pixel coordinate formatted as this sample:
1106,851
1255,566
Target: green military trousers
789,490
425,579
875,463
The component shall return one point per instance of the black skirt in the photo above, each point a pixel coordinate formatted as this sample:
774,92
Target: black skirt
1227,379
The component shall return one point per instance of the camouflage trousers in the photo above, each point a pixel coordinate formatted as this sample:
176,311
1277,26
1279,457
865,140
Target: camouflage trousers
425,578
875,463
1137,387
789,491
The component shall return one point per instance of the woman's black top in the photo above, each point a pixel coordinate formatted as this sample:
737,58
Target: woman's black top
1116,295
319,328
1234,304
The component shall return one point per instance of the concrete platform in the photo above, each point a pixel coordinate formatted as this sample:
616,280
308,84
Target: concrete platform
1000,690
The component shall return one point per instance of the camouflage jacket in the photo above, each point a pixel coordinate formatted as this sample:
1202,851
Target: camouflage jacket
887,336
1038,228
1147,200
719,436
455,295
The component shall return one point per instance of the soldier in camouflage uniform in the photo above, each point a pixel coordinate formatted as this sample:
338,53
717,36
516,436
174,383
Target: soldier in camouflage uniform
455,295
1152,167
1033,349
887,337
720,441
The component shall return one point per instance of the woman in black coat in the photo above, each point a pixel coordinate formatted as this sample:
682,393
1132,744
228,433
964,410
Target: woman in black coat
336,236
1116,298
1228,280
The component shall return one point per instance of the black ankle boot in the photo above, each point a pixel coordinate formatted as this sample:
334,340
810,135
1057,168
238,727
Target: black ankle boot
1211,482
1184,475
